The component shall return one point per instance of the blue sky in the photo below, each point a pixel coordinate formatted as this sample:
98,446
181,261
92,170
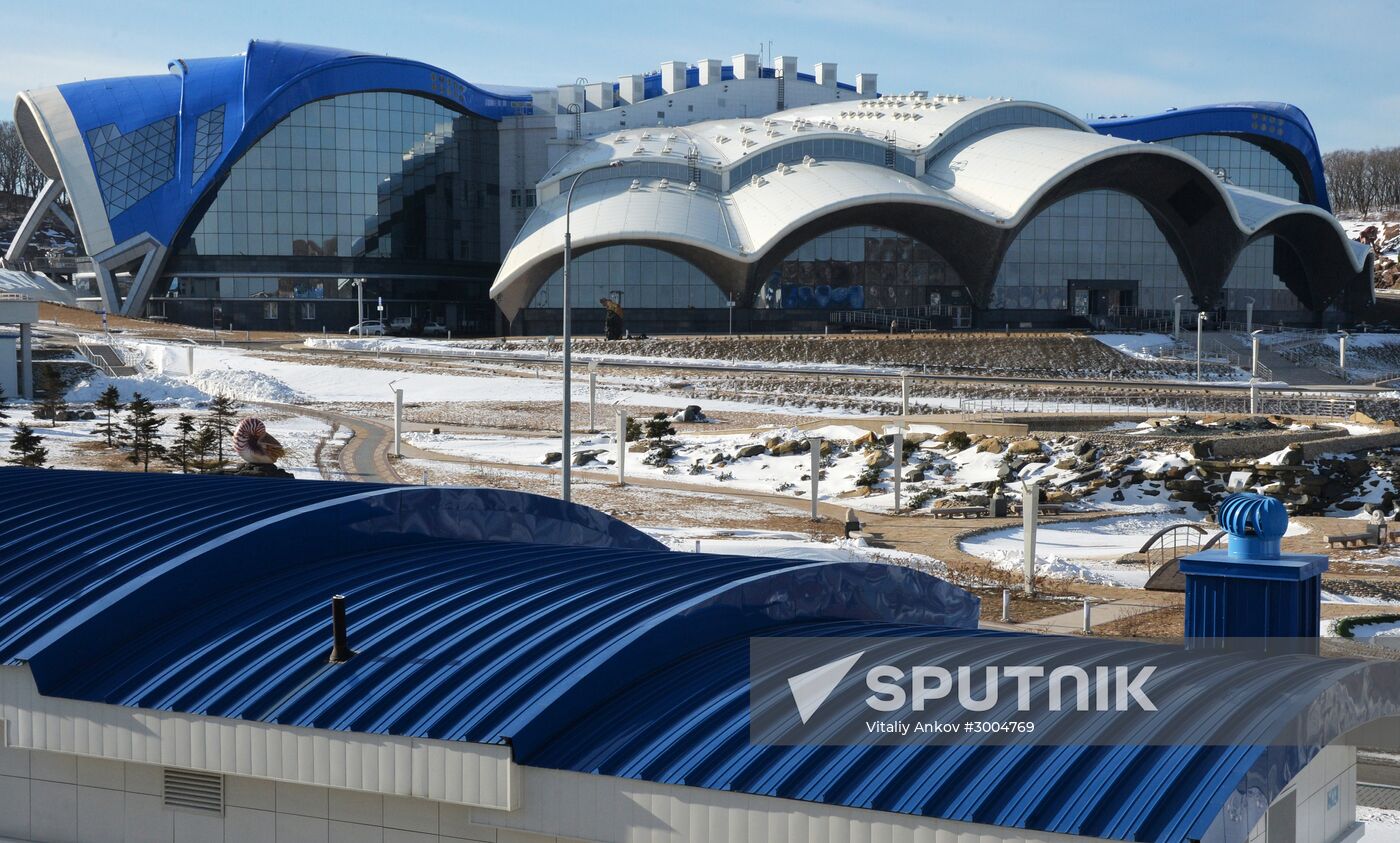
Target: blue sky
1087,56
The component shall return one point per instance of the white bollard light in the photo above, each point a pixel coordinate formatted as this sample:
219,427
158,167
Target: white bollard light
621,448
398,422
904,397
815,443
1006,605
592,396
1030,517
1088,617
897,451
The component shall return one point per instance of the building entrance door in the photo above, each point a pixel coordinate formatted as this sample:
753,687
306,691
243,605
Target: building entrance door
1099,301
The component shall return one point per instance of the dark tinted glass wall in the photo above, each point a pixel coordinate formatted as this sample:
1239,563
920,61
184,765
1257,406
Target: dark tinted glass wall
372,175
861,268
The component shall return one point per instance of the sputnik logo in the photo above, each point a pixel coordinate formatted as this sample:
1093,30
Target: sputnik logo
811,689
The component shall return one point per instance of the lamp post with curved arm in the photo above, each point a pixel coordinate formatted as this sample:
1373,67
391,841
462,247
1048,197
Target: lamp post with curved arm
567,452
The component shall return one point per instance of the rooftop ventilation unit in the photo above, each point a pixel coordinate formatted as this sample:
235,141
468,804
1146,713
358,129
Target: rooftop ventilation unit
757,181
664,184
692,187
783,169
808,160
666,150
636,185
646,136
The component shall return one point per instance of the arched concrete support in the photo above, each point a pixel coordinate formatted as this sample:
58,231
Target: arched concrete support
43,203
1190,211
727,274
1314,263
967,245
151,254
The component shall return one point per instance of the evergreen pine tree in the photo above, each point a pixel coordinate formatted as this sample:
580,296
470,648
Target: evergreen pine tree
109,402
53,394
181,453
143,427
222,412
201,446
26,448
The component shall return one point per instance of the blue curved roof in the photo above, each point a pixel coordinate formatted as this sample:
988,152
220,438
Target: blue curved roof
488,616
1268,123
157,142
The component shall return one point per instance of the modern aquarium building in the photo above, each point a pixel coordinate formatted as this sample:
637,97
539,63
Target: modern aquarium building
256,190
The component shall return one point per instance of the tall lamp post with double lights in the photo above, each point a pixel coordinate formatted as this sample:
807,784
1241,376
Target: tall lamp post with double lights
567,450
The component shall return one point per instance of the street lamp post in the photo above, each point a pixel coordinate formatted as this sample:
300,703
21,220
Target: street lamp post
1176,322
1249,314
1342,353
1254,352
360,311
567,450
1200,324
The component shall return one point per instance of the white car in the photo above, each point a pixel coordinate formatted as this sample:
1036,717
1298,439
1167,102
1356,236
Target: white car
434,329
368,328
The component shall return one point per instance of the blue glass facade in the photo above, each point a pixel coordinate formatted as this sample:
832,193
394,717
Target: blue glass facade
1100,253
646,278
387,185
371,175
861,267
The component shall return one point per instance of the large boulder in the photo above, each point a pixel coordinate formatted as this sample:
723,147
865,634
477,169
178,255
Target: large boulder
754,450
990,445
1025,446
878,459
553,457
586,457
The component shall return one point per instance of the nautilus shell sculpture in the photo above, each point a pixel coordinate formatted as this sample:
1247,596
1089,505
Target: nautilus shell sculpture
254,444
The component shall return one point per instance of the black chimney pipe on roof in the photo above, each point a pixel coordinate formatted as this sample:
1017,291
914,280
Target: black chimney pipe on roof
340,640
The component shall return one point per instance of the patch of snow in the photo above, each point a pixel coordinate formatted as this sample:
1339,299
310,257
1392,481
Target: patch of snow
787,545
1382,826
245,385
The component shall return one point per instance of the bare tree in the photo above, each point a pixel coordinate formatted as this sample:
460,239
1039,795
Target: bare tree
1363,181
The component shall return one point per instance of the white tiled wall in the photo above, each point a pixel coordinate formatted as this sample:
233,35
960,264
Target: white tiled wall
56,798
1332,771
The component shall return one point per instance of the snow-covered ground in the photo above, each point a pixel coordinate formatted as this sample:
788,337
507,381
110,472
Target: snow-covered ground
760,473
1084,551
1382,826
786,545
80,444
1141,346
250,376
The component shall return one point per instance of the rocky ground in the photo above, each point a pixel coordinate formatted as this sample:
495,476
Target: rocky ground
1037,355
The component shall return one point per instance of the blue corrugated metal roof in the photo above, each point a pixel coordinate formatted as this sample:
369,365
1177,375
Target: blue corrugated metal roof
600,652
1270,124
